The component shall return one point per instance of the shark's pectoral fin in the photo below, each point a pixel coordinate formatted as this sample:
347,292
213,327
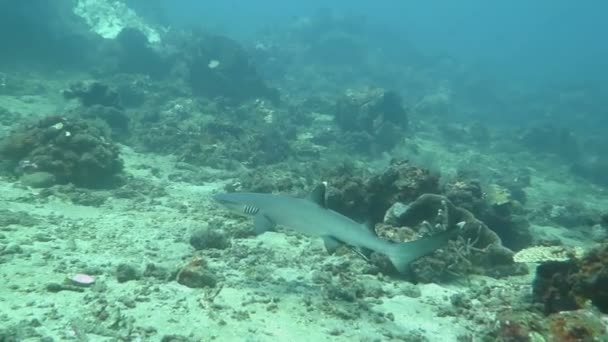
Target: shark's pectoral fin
332,244
364,253
262,223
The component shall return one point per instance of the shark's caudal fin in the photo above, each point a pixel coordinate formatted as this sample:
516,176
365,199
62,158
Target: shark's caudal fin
402,254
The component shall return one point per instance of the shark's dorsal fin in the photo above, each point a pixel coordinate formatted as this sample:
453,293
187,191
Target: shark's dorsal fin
318,195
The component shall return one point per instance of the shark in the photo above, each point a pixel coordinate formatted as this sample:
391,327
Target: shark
311,216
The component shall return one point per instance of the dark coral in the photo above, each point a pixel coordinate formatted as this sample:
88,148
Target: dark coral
365,196
593,279
524,324
209,238
91,93
220,67
516,325
376,116
508,220
72,150
478,249
400,182
116,118
552,139
505,217
134,55
574,326
568,285
465,193
553,286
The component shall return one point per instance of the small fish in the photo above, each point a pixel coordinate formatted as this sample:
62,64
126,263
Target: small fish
311,216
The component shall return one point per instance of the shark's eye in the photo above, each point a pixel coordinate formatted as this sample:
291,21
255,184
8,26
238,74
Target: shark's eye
250,210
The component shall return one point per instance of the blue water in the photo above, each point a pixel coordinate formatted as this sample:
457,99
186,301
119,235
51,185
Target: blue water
538,41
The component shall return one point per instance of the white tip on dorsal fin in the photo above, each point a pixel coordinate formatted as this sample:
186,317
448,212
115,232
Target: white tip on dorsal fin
318,195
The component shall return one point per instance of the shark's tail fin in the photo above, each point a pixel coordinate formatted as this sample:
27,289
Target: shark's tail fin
402,254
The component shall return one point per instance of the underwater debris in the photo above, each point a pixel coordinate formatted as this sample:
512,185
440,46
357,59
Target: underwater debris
126,272
83,280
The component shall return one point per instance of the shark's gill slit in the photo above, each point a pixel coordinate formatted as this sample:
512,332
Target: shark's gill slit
250,210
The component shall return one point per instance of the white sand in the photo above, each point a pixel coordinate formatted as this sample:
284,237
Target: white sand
70,238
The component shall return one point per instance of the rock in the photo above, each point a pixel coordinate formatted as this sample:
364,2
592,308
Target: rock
12,249
126,272
209,238
409,290
38,179
196,275
394,213
599,233
155,271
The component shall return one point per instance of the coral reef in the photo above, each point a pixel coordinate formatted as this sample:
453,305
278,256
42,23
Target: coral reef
72,150
568,326
252,134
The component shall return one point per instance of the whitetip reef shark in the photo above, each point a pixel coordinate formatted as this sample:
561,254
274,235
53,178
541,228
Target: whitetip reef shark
310,216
